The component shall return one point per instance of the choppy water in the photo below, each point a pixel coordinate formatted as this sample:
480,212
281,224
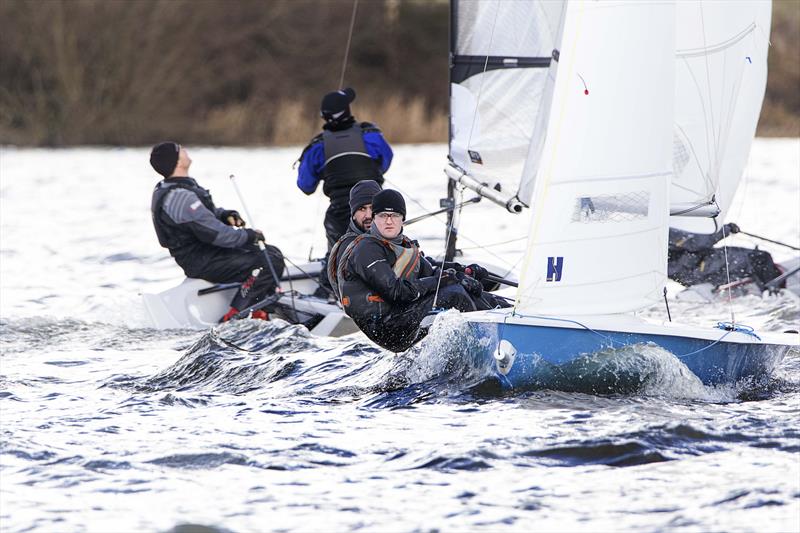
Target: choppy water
108,425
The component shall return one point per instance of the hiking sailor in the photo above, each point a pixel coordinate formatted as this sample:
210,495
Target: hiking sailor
208,242
342,155
694,260
387,286
360,221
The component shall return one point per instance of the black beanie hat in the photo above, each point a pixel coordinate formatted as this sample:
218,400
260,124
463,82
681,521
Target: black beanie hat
362,194
336,105
164,158
389,200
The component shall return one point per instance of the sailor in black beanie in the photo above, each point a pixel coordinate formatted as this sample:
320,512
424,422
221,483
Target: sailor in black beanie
360,221
208,242
164,158
387,286
389,201
345,153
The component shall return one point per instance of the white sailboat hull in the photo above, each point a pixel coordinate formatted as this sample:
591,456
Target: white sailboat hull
182,307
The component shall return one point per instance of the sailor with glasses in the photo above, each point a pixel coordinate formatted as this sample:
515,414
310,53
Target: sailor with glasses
387,286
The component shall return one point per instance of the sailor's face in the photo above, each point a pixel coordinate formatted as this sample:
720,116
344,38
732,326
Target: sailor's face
389,224
184,161
363,217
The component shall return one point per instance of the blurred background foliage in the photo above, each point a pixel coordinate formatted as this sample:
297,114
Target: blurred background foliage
250,72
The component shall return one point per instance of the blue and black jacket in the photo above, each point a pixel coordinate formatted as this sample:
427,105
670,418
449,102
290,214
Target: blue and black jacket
343,157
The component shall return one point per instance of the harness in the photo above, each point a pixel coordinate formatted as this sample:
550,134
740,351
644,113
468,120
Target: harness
333,266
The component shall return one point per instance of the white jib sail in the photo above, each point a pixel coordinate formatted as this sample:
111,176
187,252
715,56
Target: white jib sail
721,76
597,242
501,50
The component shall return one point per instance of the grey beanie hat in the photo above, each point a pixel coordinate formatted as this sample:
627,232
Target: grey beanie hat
362,193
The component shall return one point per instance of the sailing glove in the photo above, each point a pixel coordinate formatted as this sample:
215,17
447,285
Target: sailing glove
471,285
232,218
449,277
254,235
476,271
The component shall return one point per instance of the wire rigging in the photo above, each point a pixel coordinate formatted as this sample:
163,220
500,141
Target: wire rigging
349,40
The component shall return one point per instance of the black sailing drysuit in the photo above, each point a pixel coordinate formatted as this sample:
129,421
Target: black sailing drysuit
189,224
693,260
336,253
387,287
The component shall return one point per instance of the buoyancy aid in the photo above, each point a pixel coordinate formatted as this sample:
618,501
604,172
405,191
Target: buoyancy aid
347,161
170,235
356,297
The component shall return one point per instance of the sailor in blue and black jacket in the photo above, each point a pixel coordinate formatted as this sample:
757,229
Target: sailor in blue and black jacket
345,153
208,242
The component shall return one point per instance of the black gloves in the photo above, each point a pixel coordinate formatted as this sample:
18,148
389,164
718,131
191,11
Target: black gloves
254,235
449,277
476,271
732,228
231,218
470,284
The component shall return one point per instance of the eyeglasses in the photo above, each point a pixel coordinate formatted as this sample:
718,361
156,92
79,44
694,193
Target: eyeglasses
387,216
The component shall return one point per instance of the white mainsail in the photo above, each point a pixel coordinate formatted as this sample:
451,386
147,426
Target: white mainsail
501,50
720,82
598,237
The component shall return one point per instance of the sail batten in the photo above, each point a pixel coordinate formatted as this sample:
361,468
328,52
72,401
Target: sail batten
466,66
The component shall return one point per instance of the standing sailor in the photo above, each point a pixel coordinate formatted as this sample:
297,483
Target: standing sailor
387,286
360,222
345,153
208,242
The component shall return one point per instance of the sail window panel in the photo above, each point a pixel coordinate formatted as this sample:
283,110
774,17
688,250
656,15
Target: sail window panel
506,27
680,156
622,207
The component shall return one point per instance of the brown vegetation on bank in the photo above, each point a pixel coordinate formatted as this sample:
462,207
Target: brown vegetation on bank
780,116
249,72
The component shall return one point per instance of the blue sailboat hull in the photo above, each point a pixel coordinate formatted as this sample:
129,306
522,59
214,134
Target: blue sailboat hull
551,356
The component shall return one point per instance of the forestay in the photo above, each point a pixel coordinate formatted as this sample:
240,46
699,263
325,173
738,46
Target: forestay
500,52
598,235
721,75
